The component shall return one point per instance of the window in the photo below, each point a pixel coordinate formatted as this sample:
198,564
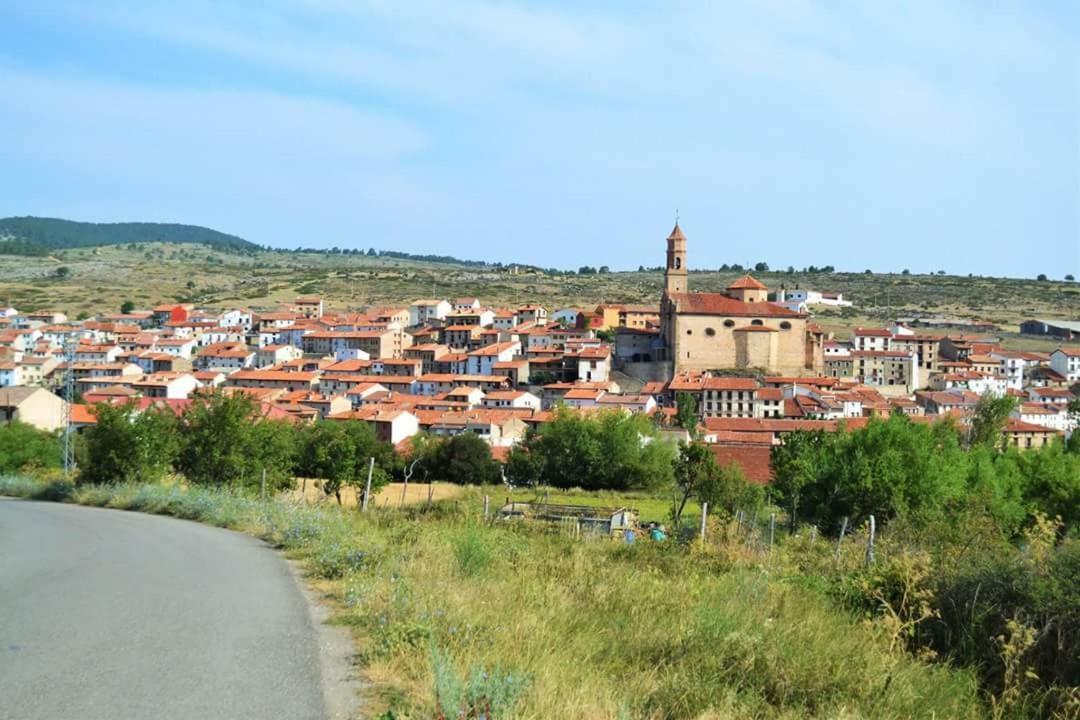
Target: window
785,325
689,331
678,262
756,322
710,332
729,323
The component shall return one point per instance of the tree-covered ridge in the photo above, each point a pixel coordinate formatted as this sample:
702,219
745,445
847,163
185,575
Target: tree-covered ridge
34,235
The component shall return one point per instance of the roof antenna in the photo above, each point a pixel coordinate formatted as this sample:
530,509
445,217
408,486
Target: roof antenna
676,216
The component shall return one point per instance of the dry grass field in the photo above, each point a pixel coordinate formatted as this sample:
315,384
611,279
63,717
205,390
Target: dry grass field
311,492
101,279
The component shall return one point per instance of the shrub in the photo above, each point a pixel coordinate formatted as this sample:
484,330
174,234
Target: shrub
24,448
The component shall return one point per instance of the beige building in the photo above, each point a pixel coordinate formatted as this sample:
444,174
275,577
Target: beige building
31,405
737,329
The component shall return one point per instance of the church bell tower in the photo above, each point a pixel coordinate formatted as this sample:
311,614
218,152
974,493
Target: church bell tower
675,274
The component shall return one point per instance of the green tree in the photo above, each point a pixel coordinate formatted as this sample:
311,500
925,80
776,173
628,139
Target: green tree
988,421
129,445
466,460
727,489
694,468
340,453
23,448
1051,478
127,307
329,452
62,272
1073,412
888,468
225,443
686,413
800,460
609,450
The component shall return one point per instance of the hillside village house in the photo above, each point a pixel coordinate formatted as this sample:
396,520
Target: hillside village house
810,297
591,364
276,379
171,386
570,317
1026,435
423,312
32,405
738,329
466,304
310,307
226,357
926,347
177,347
1066,362
621,315
511,399
386,343
11,373
482,360
536,314
391,426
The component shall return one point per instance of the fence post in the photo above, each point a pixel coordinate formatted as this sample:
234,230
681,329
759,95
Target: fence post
263,491
870,542
738,518
772,530
487,507
704,516
367,487
843,529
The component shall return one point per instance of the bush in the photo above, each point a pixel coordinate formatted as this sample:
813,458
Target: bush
609,450
128,445
24,448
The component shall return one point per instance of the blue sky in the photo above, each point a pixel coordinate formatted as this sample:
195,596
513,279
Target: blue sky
936,136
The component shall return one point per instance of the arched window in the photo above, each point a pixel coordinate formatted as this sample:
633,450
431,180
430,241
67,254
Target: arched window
785,325
757,322
710,332
729,323
678,262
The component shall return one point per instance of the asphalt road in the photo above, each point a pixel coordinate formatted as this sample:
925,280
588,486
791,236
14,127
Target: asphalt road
115,615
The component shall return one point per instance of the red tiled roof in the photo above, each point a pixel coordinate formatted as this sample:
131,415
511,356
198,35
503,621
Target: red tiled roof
729,383
1019,426
83,415
753,460
746,283
718,304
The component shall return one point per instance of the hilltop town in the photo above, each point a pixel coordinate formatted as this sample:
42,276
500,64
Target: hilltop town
754,359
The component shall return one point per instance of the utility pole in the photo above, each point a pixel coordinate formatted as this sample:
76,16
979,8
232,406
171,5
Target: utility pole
69,398
367,488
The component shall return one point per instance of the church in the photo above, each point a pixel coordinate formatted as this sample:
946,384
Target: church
735,330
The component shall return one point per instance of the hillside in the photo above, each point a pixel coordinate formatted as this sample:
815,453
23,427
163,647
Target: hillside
100,279
38,236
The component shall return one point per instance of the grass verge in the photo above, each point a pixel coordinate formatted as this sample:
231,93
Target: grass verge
455,618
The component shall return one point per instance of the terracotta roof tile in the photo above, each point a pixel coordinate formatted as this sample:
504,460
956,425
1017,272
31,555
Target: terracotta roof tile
718,304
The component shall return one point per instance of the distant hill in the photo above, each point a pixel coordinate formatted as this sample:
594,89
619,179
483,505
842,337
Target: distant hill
40,236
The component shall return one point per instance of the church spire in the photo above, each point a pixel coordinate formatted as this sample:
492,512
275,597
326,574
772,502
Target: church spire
675,274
